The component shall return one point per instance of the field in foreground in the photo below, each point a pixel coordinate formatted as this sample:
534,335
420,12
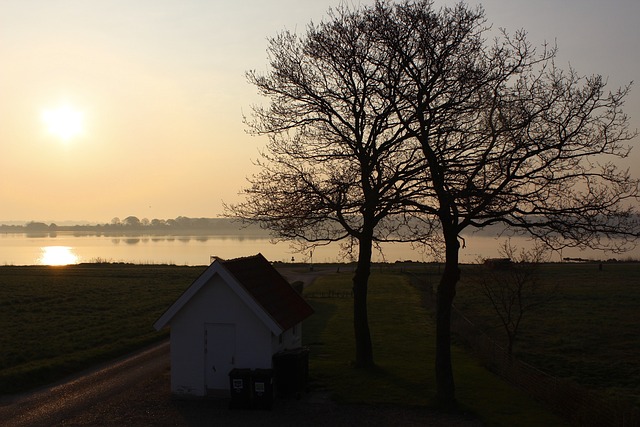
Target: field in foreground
588,331
404,350
60,320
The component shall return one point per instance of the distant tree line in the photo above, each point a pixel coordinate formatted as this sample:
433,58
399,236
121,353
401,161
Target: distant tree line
135,224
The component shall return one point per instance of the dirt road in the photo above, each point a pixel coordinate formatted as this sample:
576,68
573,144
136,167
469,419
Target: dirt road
295,274
52,405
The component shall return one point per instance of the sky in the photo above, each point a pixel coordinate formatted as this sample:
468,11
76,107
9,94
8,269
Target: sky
160,89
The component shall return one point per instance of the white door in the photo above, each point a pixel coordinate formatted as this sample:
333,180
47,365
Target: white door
220,354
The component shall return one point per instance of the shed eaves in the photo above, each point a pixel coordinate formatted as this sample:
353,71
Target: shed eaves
276,296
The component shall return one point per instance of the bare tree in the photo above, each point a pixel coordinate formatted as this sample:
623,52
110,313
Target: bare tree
394,109
513,287
337,165
507,138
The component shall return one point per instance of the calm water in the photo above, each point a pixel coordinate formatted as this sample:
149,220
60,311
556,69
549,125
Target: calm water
70,248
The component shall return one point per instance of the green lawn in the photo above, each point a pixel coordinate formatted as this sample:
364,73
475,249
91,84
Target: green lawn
403,337
59,320
589,332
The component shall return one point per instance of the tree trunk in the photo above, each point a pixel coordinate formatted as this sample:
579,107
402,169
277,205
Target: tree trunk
511,338
364,349
445,394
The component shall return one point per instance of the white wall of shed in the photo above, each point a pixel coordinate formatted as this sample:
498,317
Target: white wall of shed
214,303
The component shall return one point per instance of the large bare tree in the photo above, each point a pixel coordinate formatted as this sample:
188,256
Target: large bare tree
337,165
392,109
507,138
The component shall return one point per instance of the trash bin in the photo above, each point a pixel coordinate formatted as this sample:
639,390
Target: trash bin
240,388
291,371
262,388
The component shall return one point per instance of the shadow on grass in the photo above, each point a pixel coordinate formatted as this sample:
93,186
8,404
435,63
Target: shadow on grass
316,324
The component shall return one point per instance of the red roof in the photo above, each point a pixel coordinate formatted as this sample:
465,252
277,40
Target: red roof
276,296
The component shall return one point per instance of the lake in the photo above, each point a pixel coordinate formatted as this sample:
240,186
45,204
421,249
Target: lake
71,248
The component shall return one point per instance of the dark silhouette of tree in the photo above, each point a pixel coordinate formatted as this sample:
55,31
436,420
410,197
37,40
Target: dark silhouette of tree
508,138
513,287
501,136
36,226
131,222
336,166
158,223
183,222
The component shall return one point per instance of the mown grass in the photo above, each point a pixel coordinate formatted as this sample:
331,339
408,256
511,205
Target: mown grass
404,350
588,332
60,320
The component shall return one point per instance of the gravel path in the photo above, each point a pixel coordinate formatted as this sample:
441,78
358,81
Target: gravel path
150,404
54,404
307,277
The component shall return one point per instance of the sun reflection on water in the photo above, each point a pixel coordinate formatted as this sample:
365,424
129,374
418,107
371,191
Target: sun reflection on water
58,255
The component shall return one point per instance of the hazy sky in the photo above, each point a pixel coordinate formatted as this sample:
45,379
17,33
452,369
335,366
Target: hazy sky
161,90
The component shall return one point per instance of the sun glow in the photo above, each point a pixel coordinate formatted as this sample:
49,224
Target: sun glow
58,255
64,122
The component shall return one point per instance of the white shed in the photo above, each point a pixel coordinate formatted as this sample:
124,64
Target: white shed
237,314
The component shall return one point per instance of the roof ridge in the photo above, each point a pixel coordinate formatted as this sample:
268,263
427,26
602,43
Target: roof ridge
224,261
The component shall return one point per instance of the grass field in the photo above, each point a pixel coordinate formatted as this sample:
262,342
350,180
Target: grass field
589,332
59,320
404,345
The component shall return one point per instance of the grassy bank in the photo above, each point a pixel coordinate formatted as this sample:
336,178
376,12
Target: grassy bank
60,320
403,336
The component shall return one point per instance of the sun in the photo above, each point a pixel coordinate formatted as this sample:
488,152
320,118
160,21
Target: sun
64,122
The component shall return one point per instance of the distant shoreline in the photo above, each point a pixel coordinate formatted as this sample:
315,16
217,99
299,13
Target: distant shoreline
135,226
